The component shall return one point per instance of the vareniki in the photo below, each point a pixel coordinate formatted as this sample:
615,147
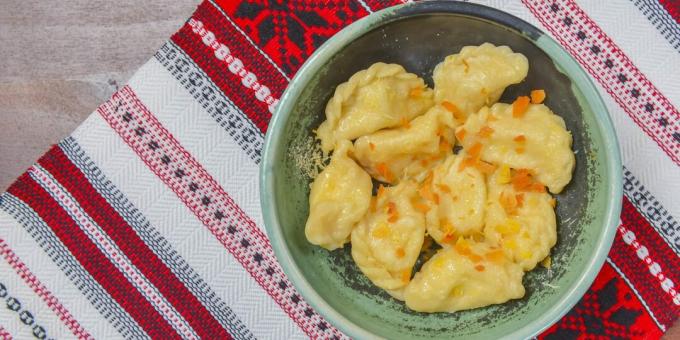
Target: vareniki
458,168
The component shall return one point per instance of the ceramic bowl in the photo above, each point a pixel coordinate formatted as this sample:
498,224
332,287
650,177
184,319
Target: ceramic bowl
418,36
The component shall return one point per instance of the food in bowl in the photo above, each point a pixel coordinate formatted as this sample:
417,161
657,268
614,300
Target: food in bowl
484,202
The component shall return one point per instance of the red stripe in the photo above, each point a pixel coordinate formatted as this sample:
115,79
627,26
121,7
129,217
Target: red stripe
252,59
126,238
91,258
5,334
227,82
636,95
290,32
39,288
203,195
598,315
659,250
673,8
647,286
377,5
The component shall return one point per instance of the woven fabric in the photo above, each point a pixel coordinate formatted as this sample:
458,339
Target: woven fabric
145,222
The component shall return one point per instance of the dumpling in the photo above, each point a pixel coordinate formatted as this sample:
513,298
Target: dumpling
405,152
537,140
382,96
387,242
468,275
478,75
523,221
456,197
339,198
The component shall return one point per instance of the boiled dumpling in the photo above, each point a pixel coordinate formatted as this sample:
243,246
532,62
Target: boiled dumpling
537,140
467,275
339,198
406,152
477,76
455,197
387,242
523,221
382,96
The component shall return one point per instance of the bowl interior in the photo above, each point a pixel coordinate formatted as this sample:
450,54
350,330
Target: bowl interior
419,42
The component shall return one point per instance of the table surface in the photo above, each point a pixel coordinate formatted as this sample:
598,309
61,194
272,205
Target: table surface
80,53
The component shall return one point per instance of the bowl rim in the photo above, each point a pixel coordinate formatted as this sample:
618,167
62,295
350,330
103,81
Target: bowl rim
353,31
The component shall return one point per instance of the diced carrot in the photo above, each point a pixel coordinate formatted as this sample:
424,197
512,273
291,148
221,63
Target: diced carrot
508,202
393,218
485,131
479,268
485,167
451,107
427,194
444,145
520,200
496,255
449,238
519,106
400,252
405,122
466,162
537,96
537,187
371,145
384,171
475,150
406,276
416,92
462,246
521,180
391,208
460,134
423,208
444,188
474,257
520,139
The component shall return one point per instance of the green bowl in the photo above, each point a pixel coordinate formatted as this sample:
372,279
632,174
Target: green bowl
418,36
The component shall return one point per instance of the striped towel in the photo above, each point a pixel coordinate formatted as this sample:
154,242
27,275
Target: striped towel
145,222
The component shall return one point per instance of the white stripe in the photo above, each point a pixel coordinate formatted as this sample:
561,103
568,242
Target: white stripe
249,40
101,239
643,157
51,277
640,41
632,287
196,131
158,245
192,240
